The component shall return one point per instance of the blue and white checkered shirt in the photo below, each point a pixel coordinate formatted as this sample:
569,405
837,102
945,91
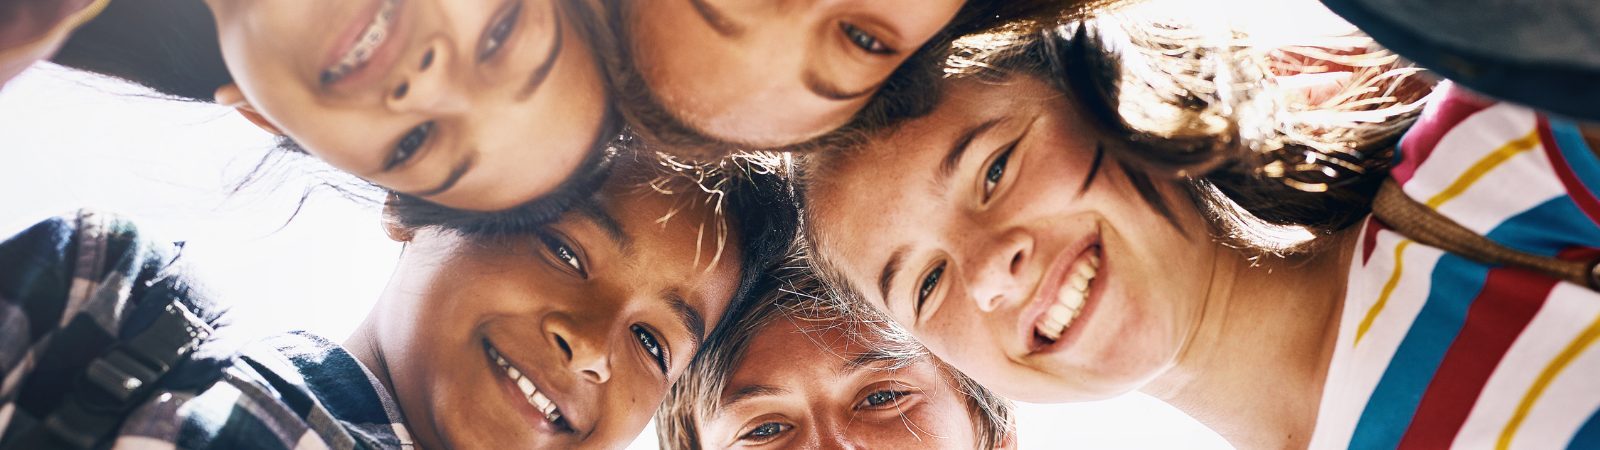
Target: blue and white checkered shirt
95,271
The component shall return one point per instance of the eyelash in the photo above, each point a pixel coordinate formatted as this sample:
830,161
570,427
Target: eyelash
409,144
495,36
564,255
864,40
930,282
996,172
771,433
893,399
652,346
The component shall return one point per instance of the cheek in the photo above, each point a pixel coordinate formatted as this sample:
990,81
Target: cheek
1131,339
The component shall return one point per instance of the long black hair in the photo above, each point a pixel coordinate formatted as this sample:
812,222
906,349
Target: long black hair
172,47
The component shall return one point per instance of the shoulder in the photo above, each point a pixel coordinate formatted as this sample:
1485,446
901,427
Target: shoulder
279,393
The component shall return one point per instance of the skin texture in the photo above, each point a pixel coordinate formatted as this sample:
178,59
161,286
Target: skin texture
573,332
516,142
1241,345
741,75
824,400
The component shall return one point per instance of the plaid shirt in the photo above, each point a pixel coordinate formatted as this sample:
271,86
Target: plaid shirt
94,271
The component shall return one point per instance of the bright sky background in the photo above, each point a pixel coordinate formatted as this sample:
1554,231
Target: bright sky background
72,141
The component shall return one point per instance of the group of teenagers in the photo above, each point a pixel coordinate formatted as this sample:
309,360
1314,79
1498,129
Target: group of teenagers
851,224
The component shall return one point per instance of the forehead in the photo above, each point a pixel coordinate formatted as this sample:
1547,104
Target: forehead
674,241
799,354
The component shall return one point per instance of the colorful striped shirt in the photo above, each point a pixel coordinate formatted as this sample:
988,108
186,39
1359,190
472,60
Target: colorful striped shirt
96,273
1437,351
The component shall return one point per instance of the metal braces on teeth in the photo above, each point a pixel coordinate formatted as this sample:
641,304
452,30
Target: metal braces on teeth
373,36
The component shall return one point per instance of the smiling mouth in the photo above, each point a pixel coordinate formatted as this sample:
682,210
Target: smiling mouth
372,37
1070,299
530,393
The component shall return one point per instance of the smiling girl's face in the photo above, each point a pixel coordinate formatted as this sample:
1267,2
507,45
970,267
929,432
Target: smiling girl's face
768,73
1012,248
810,385
477,105
567,337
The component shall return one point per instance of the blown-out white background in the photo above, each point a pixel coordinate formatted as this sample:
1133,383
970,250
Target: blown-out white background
69,140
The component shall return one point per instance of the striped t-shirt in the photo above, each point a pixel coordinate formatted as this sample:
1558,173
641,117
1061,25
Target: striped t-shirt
1436,351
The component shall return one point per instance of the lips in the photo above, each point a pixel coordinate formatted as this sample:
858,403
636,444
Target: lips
1064,298
360,50
1071,297
542,404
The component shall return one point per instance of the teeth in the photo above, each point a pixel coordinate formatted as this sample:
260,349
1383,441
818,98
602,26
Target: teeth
539,401
372,37
1069,300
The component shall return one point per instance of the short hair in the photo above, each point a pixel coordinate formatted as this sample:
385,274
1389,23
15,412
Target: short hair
792,292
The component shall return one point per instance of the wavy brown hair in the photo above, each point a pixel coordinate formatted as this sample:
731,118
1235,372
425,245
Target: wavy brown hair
1174,104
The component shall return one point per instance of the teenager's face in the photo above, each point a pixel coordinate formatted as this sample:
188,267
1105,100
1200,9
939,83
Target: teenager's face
769,73
477,105
589,320
984,240
808,385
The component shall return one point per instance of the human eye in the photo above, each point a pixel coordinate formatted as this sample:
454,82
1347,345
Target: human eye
925,289
563,254
409,145
498,31
995,172
882,399
652,346
864,40
765,432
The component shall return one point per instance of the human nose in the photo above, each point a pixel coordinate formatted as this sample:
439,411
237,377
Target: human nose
995,265
585,348
428,84
834,435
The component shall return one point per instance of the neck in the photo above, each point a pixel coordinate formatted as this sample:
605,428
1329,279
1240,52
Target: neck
363,344
1254,367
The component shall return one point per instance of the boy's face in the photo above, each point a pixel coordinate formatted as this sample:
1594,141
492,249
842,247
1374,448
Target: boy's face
809,385
565,338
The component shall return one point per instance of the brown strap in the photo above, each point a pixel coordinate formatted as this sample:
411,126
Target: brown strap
1422,224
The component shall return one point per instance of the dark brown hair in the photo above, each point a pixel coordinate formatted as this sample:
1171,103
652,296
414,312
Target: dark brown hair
1169,118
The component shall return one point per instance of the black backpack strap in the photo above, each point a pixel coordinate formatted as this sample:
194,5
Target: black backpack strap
116,382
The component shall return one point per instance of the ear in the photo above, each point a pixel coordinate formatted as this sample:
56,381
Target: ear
230,96
391,222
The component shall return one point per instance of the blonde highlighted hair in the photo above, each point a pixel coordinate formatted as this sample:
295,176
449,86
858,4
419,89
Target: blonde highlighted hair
792,292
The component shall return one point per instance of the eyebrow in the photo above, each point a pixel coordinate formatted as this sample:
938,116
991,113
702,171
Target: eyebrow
890,268
450,181
830,91
714,18
543,71
750,392
607,223
862,360
947,166
688,316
